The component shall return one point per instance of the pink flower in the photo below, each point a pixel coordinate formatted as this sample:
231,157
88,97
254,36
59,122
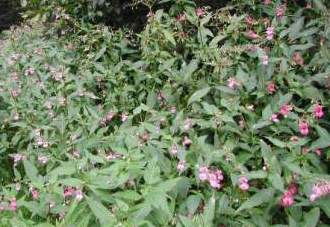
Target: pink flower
270,33
42,159
186,141
318,111
200,12
249,20
173,110
68,191
187,124
318,152
274,118
232,83
215,178
287,200
267,2
124,117
292,189
320,189
34,193
304,128
244,183
110,115
298,59
181,166
280,11
174,149
29,71
271,87
182,17
265,59
251,35
79,195
203,173
13,204
285,110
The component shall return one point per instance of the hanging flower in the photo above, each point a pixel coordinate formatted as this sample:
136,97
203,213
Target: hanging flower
271,87
174,149
265,59
280,11
13,204
186,141
203,173
200,12
298,59
304,127
318,111
270,33
79,195
181,166
285,110
244,183
232,83
320,189
251,35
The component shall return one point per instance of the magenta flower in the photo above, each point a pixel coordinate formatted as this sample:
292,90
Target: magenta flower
271,87
203,173
318,152
287,200
68,191
270,33
304,128
318,111
42,159
298,59
244,183
285,110
249,20
182,17
124,117
274,118
187,124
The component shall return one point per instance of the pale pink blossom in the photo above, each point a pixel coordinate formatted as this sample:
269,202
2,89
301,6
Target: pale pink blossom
29,71
318,111
298,59
13,204
320,189
244,183
181,17
270,33
232,83
79,195
187,124
203,173
271,87
42,159
124,117
280,11
318,152
267,2
174,149
181,166
215,178
304,127
251,35
173,109
265,59
186,141
285,110
68,191
200,12
249,20
34,193
274,118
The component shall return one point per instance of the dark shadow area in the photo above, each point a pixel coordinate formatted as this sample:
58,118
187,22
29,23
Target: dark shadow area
9,13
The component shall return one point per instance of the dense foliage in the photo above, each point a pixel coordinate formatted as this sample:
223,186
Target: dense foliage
204,118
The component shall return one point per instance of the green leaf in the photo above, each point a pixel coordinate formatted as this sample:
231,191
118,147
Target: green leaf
169,37
32,173
101,212
276,181
276,142
312,217
192,203
198,95
257,199
209,211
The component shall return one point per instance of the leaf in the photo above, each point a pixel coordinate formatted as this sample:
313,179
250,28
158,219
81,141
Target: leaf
100,53
32,172
169,37
312,217
101,212
276,181
295,28
209,211
198,95
186,221
257,199
192,203
276,142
